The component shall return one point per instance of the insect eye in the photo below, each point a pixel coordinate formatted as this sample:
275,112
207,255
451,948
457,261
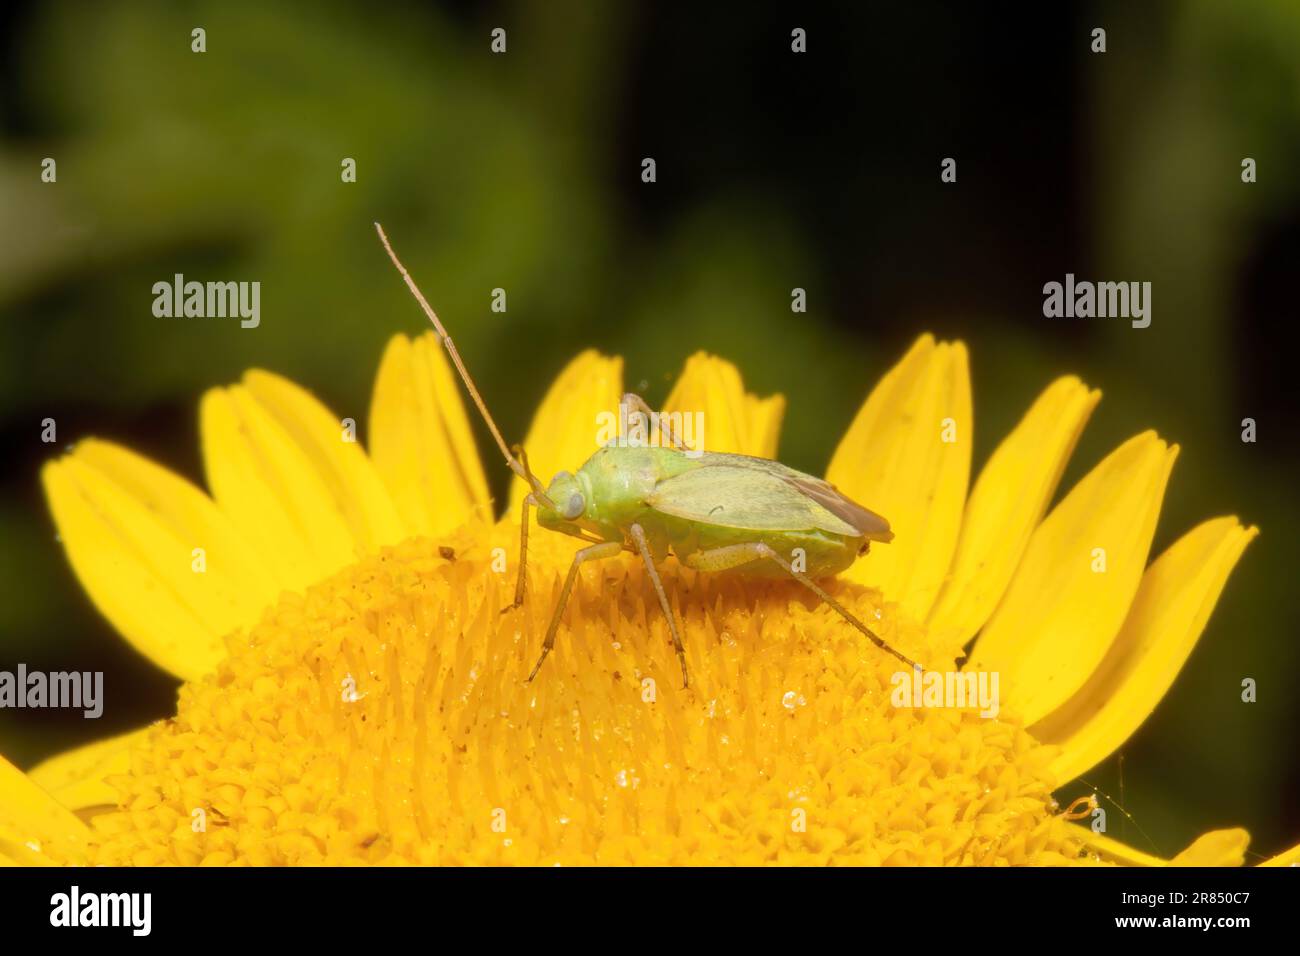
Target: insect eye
575,506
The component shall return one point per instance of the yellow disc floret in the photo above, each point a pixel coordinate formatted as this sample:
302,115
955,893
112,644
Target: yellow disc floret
383,717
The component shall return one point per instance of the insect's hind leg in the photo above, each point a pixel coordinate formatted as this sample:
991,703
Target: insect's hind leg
596,552
734,555
643,546
638,404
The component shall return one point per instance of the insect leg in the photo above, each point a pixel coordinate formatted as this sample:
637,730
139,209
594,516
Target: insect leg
734,555
594,553
642,545
523,557
639,404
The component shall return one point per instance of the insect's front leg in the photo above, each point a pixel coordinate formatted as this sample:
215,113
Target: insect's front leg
643,546
522,581
606,549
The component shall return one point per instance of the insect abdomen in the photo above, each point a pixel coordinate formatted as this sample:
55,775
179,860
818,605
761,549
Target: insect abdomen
817,553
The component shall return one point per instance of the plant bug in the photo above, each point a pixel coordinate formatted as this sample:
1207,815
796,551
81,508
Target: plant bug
712,511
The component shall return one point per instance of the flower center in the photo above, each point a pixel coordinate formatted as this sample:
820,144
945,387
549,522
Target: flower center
384,717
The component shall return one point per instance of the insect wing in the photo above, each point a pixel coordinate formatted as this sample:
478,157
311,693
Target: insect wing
865,522
734,496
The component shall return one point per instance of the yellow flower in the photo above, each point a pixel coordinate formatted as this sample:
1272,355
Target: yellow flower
353,693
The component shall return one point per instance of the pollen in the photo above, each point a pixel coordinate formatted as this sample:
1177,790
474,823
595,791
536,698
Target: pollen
383,716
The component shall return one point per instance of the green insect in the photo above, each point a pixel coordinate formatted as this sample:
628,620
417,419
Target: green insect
714,512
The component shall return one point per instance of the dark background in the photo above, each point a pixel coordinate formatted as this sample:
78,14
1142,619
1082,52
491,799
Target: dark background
775,170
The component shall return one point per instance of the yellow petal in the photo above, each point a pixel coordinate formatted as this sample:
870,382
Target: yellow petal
765,417
1009,499
1172,606
76,778
420,438
130,529
907,457
734,421
1113,851
1289,857
273,490
1062,612
565,429
33,823
1216,848
358,491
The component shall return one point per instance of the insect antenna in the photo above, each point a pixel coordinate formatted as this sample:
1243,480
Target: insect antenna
519,469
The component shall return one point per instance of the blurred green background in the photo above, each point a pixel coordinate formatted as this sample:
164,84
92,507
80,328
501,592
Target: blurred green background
820,171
